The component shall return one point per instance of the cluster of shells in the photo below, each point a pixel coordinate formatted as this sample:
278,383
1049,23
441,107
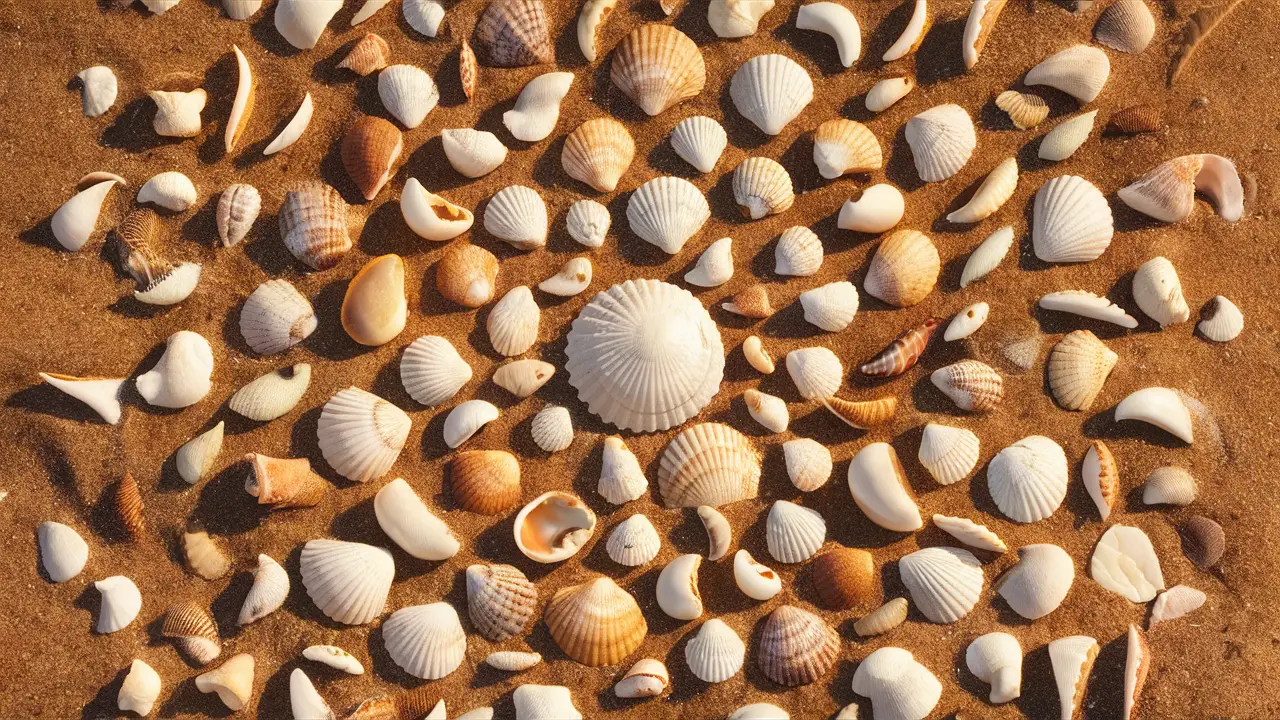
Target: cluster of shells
645,355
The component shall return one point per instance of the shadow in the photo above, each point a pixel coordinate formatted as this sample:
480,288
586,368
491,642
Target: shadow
936,59
103,704
224,508
900,169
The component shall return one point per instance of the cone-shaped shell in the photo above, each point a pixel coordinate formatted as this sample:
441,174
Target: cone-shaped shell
1038,584
367,56
899,687
1169,486
880,488
63,552
904,269
667,211
432,371
1126,25
193,631
996,659
753,302
283,483
100,394
517,215
1101,477
276,317
845,578
657,66
942,140
126,506
1125,563
842,147
715,653
621,477
598,152
406,519
883,619
1024,109
708,464
466,275
1079,71
1078,366
485,481
971,385
793,532
361,435
994,192
1028,479
140,689
348,581
1160,407
808,463
76,219
633,542
945,583
1071,659
596,623
513,33
313,223
796,647
1071,221
1158,292
553,527
426,641
699,141
948,453
268,593
500,600
770,91
408,93
762,187
816,372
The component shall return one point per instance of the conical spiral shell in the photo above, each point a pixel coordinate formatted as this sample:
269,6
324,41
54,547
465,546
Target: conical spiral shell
657,66
942,140
715,653
313,223
699,141
513,33
367,56
348,581
1071,221
971,385
500,601
793,532
796,647
945,583
485,481
596,623
667,211
361,435
517,215
948,453
762,187
708,464
598,152
770,91
432,371
276,317
904,269
842,147
1078,366
193,631
1028,479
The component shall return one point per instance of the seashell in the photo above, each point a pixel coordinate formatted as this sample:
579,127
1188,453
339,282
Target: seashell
238,207
276,317
973,386
987,256
485,481
193,631
170,190
1072,658
98,90
272,395
770,91
473,153
831,306
844,578
942,140
500,600
977,30
426,641
736,18
518,216
1086,304
753,302
621,479
1101,477
301,22
759,359
522,378
537,107
888,92
140,689
552,429
644,355
808,463
544,702
1125,563
423,16
242,105
719,534
762,187
301,119
848,712
367,56
553,527
1071,221
878,210
993,193
912,35
1028,479
468,70
74,222
374,308
334,657
466,419
511,661
268,593
347,581
203,556
304,700
901,355
360,434
879,487
241,9
1025,110
233,681
283,483
798,253
647,678
657,66
837,21
1021,352
677,590
714,266
1078,366
796,647
466,274
708,464
793,532
121,602
598,152
883,619
178,113
863,415
1169,486
415,703
1137,663
181,377
313,223
406,520
1038,584
760,711
1203,542
944,582
1160,407
1220,320
1134,120
513,33
1062,141
596,623
591,20
904,269
1079,71
100,394
1126,25
572,279
63,552
513,322
634,542
126,505
967,321
370,148
715,653
432,371
1158,292
408,93
970,533
843,147
948,453
667,211
699,141
588,222
816,372
1174,603
996,659
899,687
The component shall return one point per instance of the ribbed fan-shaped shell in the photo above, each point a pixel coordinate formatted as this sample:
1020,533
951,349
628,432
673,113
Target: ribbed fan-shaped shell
432,371
770,91
762,187
588,222
1220,320
634,542
798,253
645,355
485,481
517,215
552,429
238,207
426,641
1126,25
1169,486
831,306
596,623
657,66
500,601
1038,584
121,602
466,275
408,93
942,140
904,269
971,385
1135,119
667,211
708,464
1204,542
1024,109
699,141
348,581
361,435
793,532
598,152
796,647
513,322
816,372
1079,71
841,147
513,33
715,653
367,56
948,453
193,631
1071,221
369,150
944,582
1174,603
1028,479
313,223
1078,366
808,463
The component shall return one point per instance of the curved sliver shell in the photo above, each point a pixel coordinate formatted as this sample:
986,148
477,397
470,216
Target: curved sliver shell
657,66
912,35
300,121
1160,407
466,419
1028,479
426,641
796,647
74,222
1071,221
880,489
987,256
1038,584
348,581
1086,304
410,524
1062,141
596,623
500,601
837,21
970,533
544,702
770,91
677,589
430,216
977,29
708,464
361,435
1079,71
1101,477
268,593
755,580
994,192
945,583
553,527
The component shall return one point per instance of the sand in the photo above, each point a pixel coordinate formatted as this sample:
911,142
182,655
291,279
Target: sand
73,313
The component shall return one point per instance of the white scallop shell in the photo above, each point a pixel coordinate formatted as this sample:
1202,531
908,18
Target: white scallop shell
793,532
276,317
424,16
268,593
1160,407
677,589
996,659
816,372
884,94
1038,584
572,279
544,702
432,371
808,463
518,216
512,661
667,211
880,490
714,266
736,18
588,222
98,89
1158,292
715,653
272,395
970,533
1221,320
621,479
991,195
304,700
537,107
699,141
770,91
334,657
181,377
966,322
1071,659
899,687
301,22
1125,563
121,602
170,190
831,306
1062,141
1028,479
909,40
798,253
987,256
466,419
513,322
140,689
1174,603
1169,486
768,410
1079,71
1086,304
425,213
297,125
942,140
634,542
755,580
101,395
552,429
474,153
360,434
1071,221
410,524
76,219
63,552
944,582
426,641
837,21
408,93
348,581
878,210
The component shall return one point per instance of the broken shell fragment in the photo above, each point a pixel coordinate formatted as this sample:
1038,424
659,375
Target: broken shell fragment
1062,141
1160,407
170,190
233,681
996,659
473,153
912,35
752,302
178,113
1175,602
121,603
272,395
522,378
334,657
543,702
883,619
977,29
283,483
878,210
970,533
736,18
714,266
1038,584
466,419
304,700
1125,563
993,193
140,689
591,20
647,678
719,534
677,590
768,410
76,219
202,554
1024,109
98,90
1086,304
899,687
987,256
837,21
181,377
1158,292
430,216
301,22
1137,663
1079,71
880,489
715,653
553,527
100,394
193,631
1072,659
268,593
1101,478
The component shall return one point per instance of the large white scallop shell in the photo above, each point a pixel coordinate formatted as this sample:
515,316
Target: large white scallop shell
121,603
987,256
276,317
634,542
426,641
432,371
899,687
513,322
63,552
360,434
348,581
410,524
944,582
880,489
667,211
474,153
181,377
1158,292
714,266
816,372
708,464
699,141
793,532
770,91
1079,71
408,93
808,463
715,653
1160,407
1071,221
942,140
1028,479
831,306
993,193
517,215
1038,584
948,453
1125,563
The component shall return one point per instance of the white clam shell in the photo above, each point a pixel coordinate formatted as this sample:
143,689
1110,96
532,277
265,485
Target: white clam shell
241,9
942,140
197,456
667,211
588,222
899,687
305,702
466,420
877,210
140,689
909,40
677,590
1071,659
736,18
552,429
831,306
1071,221
699,141
970,533
425,213
996,659
1125,563
178,113
334,657
793,532
293,130
181,377
1062,141
410,524
572,279
238,207
1169,486
98,89
63,552
837,21
755,580
967,321
948,453
634,542
1221,320
944,582
991,195
276,317
798,252
361,435
517,215
432,371
719,534
760,711
301,22
987,256
1160,407
424,16
647,678
74,222
879,488
770,91
426,641
884,94
715,653
473,153
714,266
1038,584
1174,603
268,592
513,322
816,372
170,190
272,395
408,93
1028,479
768,410
101,395
121,602
512,660
1086,304
1158,292
1079,71
544,702
621,478
537,107
348,581
808,463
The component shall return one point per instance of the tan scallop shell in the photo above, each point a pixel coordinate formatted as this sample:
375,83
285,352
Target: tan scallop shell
657,66
500,601
485,481
796,647
842,147
368,56
596,623
598,152
1024,109
313,223
762,187
1078,366
708,464
466,275
1126,25
370,148
513,33
904,270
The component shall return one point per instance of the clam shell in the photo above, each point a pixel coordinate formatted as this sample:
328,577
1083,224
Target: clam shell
178,113
1169,486
468,69
432,371
634,542
426,641
970,533
272,395
1079,71
756,581
912,35
1125,563
899,687
588,222
699,141
268,593
170,190
100,394
886,93
423,16
808,463
1101,478
485,481
993,193
708,464
798,252
121,602
837,21
518,216
971,385
759,359
1025,110
667,211
1220,320
645,355
1160,407
126,506
513,322
1174,603
301,119
647,678
347,581
537,107
304,699
1071,221
1062,141
544,702
753,302
430,216
879,487
843,147
283,483
1078,366
238,207
553,527
714,266
621,478
657,66
410,524
367,56
334,657
966,322
408,93
360,434
522,378
276,317
977,29
719,534
736,18
944,582
902,354
677,590
996,659
715,653
1028,479
466,275
1071,659
512,661
513,33
598,152
1086,304
140,689
904,269
242,105
233,680
193,631
987,256
301,22
466,419
552,429
1135,119
942,140
596,623
473,153
313,223
770,91
878,210
844,578
1158,292
98,89
500,601
181,377
1038,584
416,703
1136,664
591,20
768,410
1126,25
1203,542
831,306
76,219
63,552
816,372
796,647
883,619
793,532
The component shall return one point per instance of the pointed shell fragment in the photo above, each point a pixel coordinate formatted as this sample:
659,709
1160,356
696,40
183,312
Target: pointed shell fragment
1174,603
621,478
468,69
1160,407
1101,478
752,302
591,20
598,152
657,66
313,223
1038,584
304,699
513,33
1125,563
865,414
699,141
121,602
369,150
970,533
473,153
755,580
537,108
796,647
553,527
945,583
297,125
948,453
880,489
140,689
1028,479
770,91
75,220
596,623
181,377
1078,366
912,35
347,581
736,18
719,534
334,657
899,687
904,269
242,105
1071,659
426,641
844,578
1025,110
978,27
634,542
1079,71
1086,304
233,680
1137,663
987,256
708,464
367,56
282,484
647,678
98,89
808,463
100,394
268,593
517,215
500,601
993,193
466,275
301,22
432,371
942,140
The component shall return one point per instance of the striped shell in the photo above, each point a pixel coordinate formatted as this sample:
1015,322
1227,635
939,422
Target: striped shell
1078,366
972,385
1071,221
708,464
762,187
904,269
770,91
796,647
944,582
901,355
500,601
1028,480
657,66
942,140
667,211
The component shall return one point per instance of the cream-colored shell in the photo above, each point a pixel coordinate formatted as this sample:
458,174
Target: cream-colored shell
770,91
991,195
837,21
170,190
334,657
101,395
816,372
588,222
904,269
430,216
945,583
121,602
1071,221
677,589
996,659
361,435
1028,480
591,20
233,681
304,700
667,211
544,702
537,107
1125,563
1220,320
755,580
715,653
553,527
517,215
1086,304
793,532
714,266
466,419
513,322
76,219
473,153
1038,584
408,93
410,523
634,542
272,395
426,641
970,533
770,411
552,429
182,375
178,113
1071,659
423,16
647,678
140,689
432,371
572,279
761,187
966,322
621,478
1158,292
276,317
899,687
1126,25
348,581
736,18
63,552
808,463
522,378
1062,141
831,306
719,534
798,252
1160,407
1079,71
987,256
879,209
1078,366
98,90
268,593
886,93
293,131
1174,603
912,34
301,22
942,140
699,141
880,489
1169,486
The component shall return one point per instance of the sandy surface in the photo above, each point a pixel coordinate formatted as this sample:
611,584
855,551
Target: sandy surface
73,313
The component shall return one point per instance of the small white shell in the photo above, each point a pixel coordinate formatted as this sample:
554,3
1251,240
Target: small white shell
98,89
466,420
948,453
911,35
880,489
714,266
793,532
408,93
837,21
831,306
942,140
473,153
513,322
1125,563
121,602
140,689
667,211
170,190
996,659
242,105
759,359
572,279
171,288
634,542
74,222
410,524
1079,71
760,711
719,534
770,91
967,321
512,661
588,222
736,18
63,552
755,580
798,253
1169,486
621,479
552,429
991,195
1038,584
241,9
522,378
1071,659
1028,479
517,215
808,463
647,678
301,22
178,113
430,216
1158,292
293,131
360,434
348,581
272,395
424,16
699,141
334,657
426,641
304,700
268,593
878,210
544,702
537,107
1160,407
899,687
987,256
101,395
181,377
944,582
970,533
768,410
1062,141
761,187
1220,320
677,590
432,371
1174,603
238,207
716,653
816,372
1071,221
884,94
1086,304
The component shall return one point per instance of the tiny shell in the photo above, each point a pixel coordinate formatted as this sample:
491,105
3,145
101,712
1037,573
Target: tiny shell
912,35
837,21
268,593
1071,659
140,689
996,659
1101,477
1086,304
902,354
121,602
517,215
948,453
634,542
426,641
63,552
553,527
942,140
757,356
699,141
843,147
708,464
1071,221
1126,25
1038,584
238,207
272,395
1028,479
884,94
667,211
513,322
276,317
1024,109
762,187
522,378
537,107
816,372
466,275
796,647
1160,407
973,386
845,578
967,321
367,56
883,619
513,33
1174,603
770,91
596,623
714,266
1135,119
466,419
598,152
334,657
360,435
178,113
904,269
75,220
657,66
233,681
485,481
715,653
1220,320
768,410
126,506
1125,563
736,18
793,532
193,631
408,93
970,533
98,87
647,678
830,307
588,222
880,489
945,583
500,600
993,193
102,395
978,27
621,478
808,463
473,153
1079,71
347,581
1203,542
677,590
878,210
170,190
987,256
1169,486
1078,366
899,687
572,279
552,429
1158,292
468,69
313,224
1062,141
430,216
719,534
753,302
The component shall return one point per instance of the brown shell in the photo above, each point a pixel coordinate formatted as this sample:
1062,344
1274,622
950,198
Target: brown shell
407,705
136,235
598,152
500,600
370,148
1078,367
1203,541
513,33
369,55
468,69
193,631
657,66
753,302
313,223
596,623
796,647
901,355
1136,119
864,414
485,481
127,505
845,578
466,275
283,483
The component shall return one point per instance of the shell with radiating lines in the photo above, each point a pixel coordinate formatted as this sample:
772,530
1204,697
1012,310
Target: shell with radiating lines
657,66
761,187
313,223
348,581
944,582
500,601
513,33
770,91
598,152
708,464
667,211
426,641
942,140
796,647
904,269
596,623
1028,479
1071,221
1078,366
360,434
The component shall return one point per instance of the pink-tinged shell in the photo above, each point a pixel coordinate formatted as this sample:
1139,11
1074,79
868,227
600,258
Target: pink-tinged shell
902,354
